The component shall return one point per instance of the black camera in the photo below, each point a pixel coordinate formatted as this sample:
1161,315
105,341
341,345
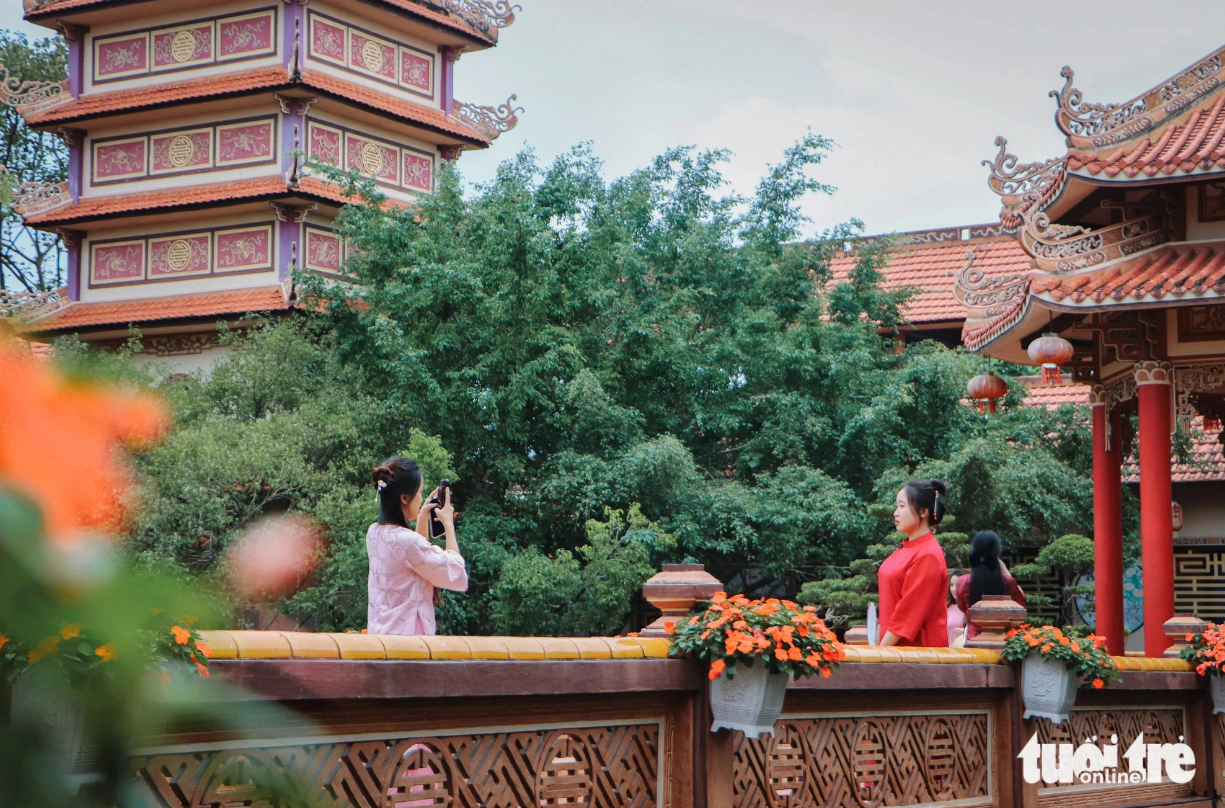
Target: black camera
436,528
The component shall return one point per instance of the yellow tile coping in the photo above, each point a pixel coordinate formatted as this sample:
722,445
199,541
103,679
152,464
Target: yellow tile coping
307,645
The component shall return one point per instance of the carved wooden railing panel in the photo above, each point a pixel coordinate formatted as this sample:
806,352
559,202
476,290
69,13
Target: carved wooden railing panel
615,766
866,762
1159,725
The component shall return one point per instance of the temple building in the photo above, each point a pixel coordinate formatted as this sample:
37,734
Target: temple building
189,199
1126,238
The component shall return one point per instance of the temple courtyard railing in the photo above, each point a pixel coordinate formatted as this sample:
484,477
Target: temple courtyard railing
380,721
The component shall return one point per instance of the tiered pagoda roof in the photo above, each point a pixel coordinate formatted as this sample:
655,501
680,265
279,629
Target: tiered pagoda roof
1103,227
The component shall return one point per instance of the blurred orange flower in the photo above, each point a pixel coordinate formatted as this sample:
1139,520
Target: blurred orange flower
716,669
44,649
3,640
107,652
68,632
181,635
204,649
59,445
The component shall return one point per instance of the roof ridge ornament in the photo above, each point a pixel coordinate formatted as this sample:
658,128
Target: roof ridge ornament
28,97
25,306
490,121
1076,117
485,15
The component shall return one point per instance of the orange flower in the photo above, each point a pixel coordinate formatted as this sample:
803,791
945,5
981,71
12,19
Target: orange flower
1188,638
746,646
48,424
1033,641
68,632
204,649
780,654
1076,646
1098,684
795,654
1047,647
44,649
203,671
719,598
825,673
813,660
669,626
188,620
705,634
3,640
1064,641
716,669
181,635
107,652
693,621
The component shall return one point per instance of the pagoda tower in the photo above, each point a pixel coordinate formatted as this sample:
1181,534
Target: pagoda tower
188,126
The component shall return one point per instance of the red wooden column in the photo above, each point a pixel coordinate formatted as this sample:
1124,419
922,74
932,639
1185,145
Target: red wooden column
1107,523
1156,522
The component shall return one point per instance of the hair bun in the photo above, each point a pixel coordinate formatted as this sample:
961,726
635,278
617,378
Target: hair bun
941,487
382,474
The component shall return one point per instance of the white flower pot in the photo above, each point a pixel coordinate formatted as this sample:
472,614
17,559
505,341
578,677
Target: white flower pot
1048,688
43,709
749,702
1216,684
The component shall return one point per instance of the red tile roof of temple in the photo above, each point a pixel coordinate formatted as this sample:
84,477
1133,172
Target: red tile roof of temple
201,304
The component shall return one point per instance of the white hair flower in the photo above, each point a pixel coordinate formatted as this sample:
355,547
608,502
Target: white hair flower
382,484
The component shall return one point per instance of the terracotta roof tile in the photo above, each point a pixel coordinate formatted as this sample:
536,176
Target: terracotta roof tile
418,9
121,100
1176,271
428,116
1185,148
265,78
1039,395
238,301
933,269
94,207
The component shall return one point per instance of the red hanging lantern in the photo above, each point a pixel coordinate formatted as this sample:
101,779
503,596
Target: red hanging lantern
1175,516
987,387
1051,351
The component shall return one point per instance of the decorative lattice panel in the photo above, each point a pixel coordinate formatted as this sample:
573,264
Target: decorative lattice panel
1199,583
865,762
1161,725
593,766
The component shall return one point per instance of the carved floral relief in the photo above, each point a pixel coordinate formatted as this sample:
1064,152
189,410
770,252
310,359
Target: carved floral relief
116,262
180,256
120,160
244,249
323,143
366,53
251,34
327,40
372,158
323,250
369,55
418,171
178,47
182,151
124,56
244,143
415,71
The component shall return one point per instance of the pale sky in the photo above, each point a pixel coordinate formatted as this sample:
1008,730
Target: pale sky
913,92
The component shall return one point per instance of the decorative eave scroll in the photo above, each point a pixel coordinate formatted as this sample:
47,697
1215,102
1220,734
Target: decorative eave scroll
1097,126
28,97
25,306
490,121
486,16
994,303
1027,190
33,198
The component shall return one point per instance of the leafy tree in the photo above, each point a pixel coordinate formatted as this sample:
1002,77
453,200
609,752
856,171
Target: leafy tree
614,375
1068,557
30,260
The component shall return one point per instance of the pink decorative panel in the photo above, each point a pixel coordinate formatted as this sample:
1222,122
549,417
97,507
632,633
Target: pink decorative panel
116,262
124,56
372,158
322,250
418,171
246,35
373,56
250,248
119,160
327,40
244,143
176,256
177,47
182,151
323,144
415,71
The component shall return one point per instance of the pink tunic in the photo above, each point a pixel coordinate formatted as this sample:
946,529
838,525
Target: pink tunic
404,570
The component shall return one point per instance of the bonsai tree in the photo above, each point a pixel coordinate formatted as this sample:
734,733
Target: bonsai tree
1068,557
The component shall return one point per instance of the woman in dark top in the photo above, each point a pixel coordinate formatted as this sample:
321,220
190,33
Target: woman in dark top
988,576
